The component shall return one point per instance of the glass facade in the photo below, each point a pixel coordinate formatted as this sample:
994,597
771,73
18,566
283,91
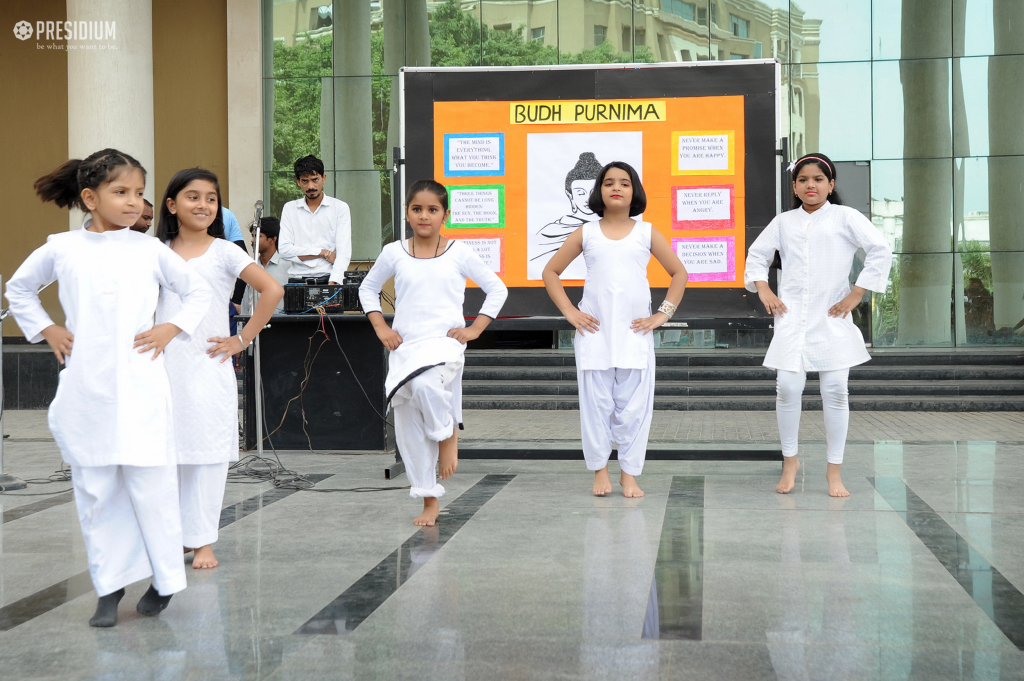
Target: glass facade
926,95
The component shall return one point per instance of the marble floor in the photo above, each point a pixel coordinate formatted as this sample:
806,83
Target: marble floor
712,575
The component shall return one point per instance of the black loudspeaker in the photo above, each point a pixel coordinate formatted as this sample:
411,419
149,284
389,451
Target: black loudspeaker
351,283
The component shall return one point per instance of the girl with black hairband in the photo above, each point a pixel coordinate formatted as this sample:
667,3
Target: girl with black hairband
817,241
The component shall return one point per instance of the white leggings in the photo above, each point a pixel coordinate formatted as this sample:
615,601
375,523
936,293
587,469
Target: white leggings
835,402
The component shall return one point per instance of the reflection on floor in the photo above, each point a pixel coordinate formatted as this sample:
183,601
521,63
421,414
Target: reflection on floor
712,575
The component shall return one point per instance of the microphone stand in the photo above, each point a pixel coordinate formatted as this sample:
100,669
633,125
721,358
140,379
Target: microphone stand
258,387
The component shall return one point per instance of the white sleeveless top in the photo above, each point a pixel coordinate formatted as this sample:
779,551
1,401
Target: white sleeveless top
616,292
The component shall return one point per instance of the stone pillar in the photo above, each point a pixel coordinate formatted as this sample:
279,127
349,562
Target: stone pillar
110,85
406,43
356,181
1006,171
245,108
268,101
925,280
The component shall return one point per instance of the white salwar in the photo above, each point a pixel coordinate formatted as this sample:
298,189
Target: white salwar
817,251
111,416
615,366
424,381
205,395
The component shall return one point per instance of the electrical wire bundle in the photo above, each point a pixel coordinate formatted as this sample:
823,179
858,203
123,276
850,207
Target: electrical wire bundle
61,475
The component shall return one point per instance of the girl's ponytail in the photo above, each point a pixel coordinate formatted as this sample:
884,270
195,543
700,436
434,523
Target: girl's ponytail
64,185
61,185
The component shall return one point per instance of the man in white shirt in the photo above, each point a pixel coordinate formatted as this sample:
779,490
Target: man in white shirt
316,231
270,259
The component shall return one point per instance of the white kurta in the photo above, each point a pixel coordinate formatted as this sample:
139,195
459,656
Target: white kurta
424,382
616,292
113,405
205,390
817,252
429,294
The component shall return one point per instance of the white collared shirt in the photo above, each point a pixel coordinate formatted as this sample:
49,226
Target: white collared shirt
817,252
305,232
277,267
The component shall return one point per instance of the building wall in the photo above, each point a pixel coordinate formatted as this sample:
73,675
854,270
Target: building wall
190,115
34,121
190,90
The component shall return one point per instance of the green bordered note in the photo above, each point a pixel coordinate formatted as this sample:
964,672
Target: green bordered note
476,206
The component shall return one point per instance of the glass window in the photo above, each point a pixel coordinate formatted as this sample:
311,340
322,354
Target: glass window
837,109
912,29
686,10
916,308
912,203
739,27
627,39
581,41
838,30
918,86
518,34
455,36
974,28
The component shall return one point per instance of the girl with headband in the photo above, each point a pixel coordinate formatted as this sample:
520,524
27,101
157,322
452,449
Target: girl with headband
817,241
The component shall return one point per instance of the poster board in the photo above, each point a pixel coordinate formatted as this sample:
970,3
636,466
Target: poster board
519,148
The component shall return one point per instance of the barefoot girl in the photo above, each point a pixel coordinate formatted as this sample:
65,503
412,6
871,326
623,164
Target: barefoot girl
614,344
813,330
427,343
111,416
203,386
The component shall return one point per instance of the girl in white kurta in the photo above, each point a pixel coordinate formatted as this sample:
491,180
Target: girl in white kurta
813,330
614,344
203,383
427,341
111,416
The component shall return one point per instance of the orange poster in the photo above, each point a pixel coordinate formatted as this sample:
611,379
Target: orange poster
519,174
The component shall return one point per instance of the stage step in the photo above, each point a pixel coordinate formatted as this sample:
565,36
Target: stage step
970,380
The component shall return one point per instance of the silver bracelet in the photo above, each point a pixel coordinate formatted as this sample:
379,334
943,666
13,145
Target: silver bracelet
242,341
667,308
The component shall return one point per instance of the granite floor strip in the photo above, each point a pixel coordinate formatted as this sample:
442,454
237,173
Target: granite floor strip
679,571
45,600
993,593
20,512
359,601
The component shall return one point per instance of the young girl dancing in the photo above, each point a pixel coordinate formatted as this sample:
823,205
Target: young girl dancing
614,344
427,343
111,416
204,390
813,331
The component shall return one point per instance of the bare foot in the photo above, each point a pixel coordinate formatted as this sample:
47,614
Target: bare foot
428,518
790,465
835,481
602,483
448,456
629,486
204,558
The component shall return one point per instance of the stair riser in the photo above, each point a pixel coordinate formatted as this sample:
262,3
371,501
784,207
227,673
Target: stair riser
756,404
541,388
865,373
566,359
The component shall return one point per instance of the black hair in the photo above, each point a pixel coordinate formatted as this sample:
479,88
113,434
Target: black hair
636,206
167,227
586,168
307,165
270,227
146,201
65,184
432,186
826,165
